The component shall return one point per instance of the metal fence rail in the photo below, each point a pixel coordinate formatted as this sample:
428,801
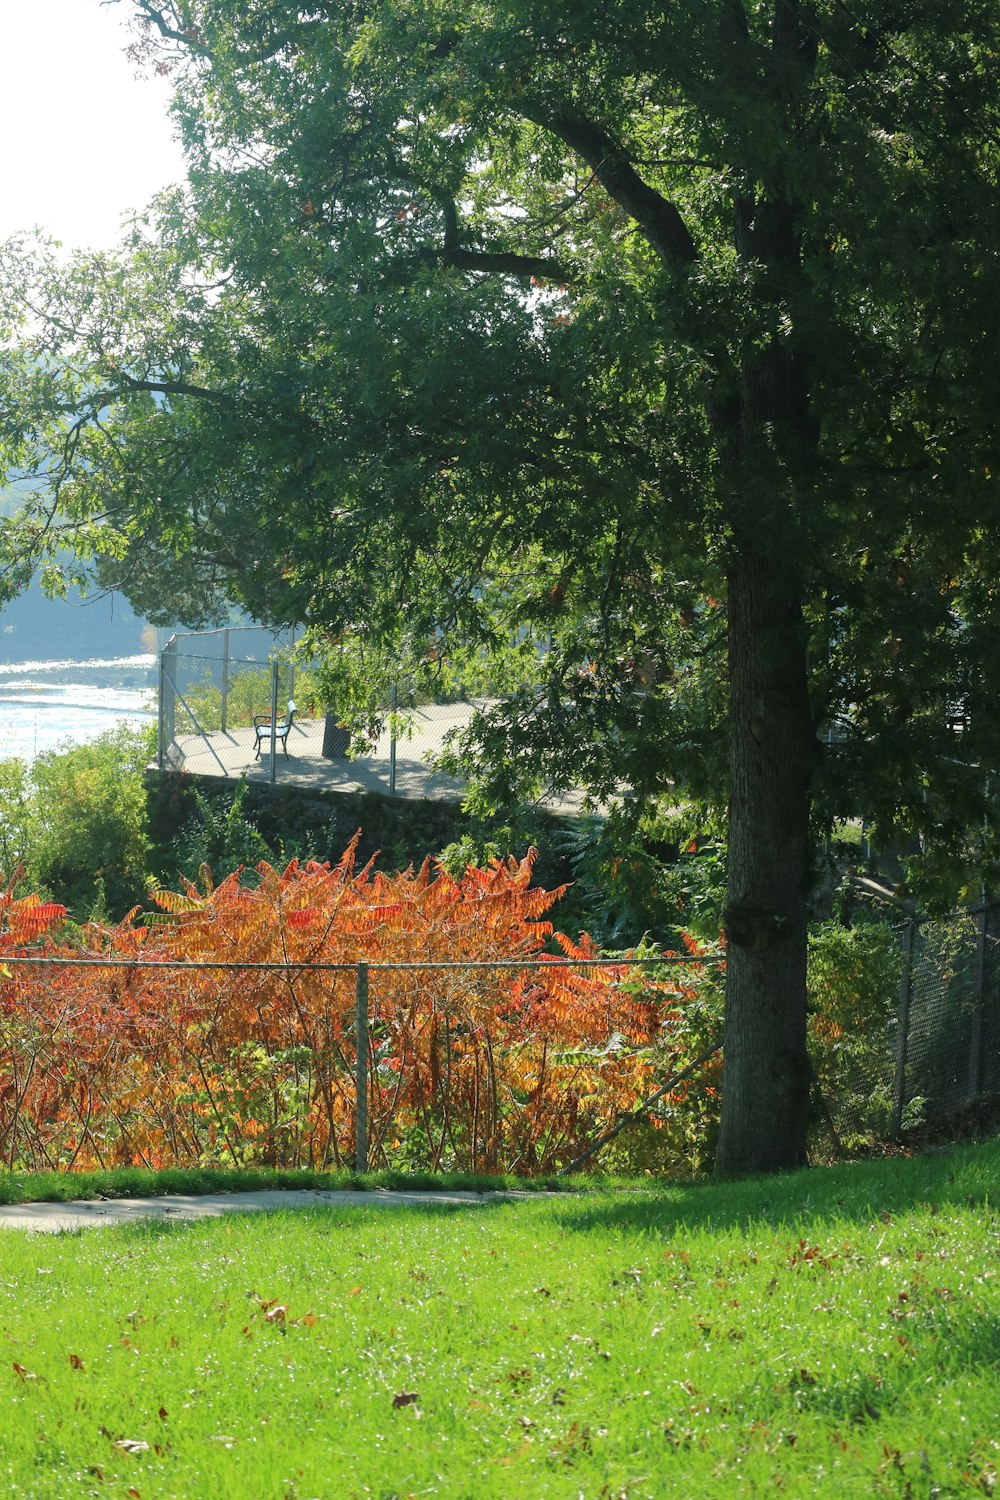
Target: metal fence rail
499,1064
212,685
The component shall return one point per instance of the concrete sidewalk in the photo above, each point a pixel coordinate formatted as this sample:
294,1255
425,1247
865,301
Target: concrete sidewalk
224,757
52,1218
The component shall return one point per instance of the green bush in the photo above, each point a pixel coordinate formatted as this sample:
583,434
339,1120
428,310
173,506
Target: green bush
87,838
221,836
249,694
677,1138
16,814
854,976
659,875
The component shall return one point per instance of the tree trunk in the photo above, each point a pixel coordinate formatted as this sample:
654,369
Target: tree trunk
766,1070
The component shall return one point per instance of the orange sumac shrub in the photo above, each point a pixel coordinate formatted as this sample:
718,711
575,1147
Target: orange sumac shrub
222,1028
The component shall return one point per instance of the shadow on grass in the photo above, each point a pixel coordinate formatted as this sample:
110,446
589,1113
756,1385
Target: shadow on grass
973,1346
963,1177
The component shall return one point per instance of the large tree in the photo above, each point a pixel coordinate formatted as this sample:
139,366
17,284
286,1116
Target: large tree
646,351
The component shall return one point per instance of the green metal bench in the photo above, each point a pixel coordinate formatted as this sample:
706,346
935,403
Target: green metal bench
262,729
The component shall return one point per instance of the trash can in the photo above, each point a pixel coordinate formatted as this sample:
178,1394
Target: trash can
336,738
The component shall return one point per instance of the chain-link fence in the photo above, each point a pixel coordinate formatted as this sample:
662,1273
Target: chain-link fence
913,1036
506,1066
235,703
215,688
948,1029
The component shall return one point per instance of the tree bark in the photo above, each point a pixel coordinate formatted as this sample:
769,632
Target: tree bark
766,1070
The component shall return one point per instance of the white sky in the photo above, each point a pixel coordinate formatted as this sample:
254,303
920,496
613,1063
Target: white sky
84,140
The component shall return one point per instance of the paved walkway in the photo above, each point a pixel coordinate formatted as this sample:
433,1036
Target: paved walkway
231,755
52,1218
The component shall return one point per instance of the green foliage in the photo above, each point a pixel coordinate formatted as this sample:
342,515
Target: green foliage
248,694
645,871
304,824
75,821
220,835
468,850
16,812
854,977
677,1137
90,840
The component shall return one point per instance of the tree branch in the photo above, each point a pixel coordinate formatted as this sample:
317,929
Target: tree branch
168,388
185,36
506,263
191,37
658,218
491,262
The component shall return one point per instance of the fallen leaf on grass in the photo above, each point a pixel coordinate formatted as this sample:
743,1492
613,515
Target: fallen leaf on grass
75,1361
521,1452
576,1440
22,1373
132,1445
404,1398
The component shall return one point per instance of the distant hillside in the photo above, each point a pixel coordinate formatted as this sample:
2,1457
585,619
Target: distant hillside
34,628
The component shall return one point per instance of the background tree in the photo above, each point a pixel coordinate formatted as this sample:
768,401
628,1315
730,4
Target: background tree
648,355
73,823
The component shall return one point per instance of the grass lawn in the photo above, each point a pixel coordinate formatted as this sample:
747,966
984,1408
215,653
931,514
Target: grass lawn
833,1333
138,1182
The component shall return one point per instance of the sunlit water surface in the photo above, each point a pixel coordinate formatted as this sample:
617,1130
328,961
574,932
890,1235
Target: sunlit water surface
45,704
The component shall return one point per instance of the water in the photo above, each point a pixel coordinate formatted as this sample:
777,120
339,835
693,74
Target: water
45,704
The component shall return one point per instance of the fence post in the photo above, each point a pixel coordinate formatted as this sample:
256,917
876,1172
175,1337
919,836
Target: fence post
393,705
903,1027
361,1070
274,722
976,1039
161,749
225,680
167,680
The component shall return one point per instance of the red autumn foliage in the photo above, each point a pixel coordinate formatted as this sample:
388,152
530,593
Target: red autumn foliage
492,1068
